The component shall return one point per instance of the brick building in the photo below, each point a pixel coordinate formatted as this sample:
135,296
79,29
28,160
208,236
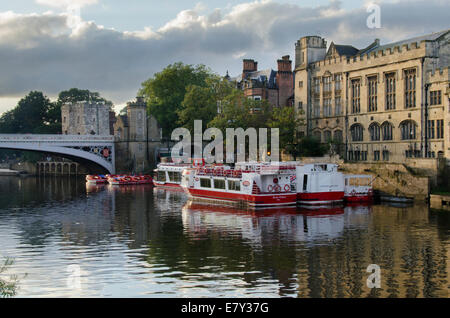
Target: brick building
275,86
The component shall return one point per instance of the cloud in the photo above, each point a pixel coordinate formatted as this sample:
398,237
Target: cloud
46,52
66,3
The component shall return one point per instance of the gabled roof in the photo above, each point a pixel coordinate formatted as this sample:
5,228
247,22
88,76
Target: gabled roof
341,50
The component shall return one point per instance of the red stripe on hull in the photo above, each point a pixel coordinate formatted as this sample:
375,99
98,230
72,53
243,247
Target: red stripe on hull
359,198
251,199
166,184
320,197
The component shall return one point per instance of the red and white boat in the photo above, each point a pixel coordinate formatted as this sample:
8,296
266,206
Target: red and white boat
169,174
96,179
125,180
249,184
319,184
358,188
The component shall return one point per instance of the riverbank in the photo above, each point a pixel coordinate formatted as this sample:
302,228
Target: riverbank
9,172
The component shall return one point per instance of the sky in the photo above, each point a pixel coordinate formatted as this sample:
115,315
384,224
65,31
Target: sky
112,46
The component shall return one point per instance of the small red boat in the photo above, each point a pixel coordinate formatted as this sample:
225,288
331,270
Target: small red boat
96,179
126,179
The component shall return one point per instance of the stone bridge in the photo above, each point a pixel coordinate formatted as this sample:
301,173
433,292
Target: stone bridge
97,149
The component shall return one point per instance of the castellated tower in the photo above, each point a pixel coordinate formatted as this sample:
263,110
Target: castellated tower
137,119
309,49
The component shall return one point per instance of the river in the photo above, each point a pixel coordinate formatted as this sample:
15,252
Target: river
70,240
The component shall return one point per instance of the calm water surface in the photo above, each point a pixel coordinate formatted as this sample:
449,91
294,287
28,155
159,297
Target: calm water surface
136,241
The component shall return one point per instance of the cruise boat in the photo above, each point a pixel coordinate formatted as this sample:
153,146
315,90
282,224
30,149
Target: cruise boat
169,174
358,188
319,184
247,184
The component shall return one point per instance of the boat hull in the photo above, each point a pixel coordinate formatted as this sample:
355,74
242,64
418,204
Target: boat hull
358,198
320,198
166,184
252,200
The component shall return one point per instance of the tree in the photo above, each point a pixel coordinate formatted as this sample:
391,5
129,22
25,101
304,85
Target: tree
166,91
7,288
33,114
288,121
202,103
74,95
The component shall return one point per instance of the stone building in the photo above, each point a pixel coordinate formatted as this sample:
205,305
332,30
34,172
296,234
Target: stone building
85,118
381,103
137,137
274,86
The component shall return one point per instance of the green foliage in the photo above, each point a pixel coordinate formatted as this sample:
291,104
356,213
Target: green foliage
74,95
288,121
8,288
311,147
33,114
165,92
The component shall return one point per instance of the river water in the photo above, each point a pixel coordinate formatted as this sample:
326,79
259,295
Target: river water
70,240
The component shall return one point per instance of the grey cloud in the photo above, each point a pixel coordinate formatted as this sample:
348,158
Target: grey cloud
38,52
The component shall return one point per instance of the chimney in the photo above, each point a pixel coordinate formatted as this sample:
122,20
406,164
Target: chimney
285,64
249,66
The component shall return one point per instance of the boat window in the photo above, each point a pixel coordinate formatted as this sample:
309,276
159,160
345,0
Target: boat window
234,185
174,176
205,182
305,182
161,176
219,183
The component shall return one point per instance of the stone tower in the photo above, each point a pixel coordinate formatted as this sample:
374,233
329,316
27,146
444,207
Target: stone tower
137,119
309,49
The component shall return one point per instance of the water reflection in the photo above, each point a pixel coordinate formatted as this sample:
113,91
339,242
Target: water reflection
141,241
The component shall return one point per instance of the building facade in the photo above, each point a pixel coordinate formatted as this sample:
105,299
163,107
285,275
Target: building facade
381,103
277,87
137,137
85,118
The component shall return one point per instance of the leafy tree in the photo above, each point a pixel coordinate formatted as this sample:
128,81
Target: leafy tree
288,121
74,95
202,103
165,92
7,288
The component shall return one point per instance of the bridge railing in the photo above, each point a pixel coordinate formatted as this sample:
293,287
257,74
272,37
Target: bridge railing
54,138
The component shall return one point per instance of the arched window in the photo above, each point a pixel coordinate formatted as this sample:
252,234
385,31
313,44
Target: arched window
327,135
374,130
386,129
338,136
317,135
356,132
408,130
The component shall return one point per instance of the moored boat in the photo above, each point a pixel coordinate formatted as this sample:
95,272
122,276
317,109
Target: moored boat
169,174
96,179
126,179
248,184
319,184
358,188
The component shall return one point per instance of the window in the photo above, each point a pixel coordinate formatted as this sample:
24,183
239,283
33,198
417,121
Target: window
435,98
64,120
205,182
408,130
387,131
300,84
327,135
376,155
356,132
317,135
385,155
337,106
356,105
174,176
219,184
374,130
316,85
316,107
327,107
327,84
161,176
234,185
430,129
372,93
440,128
300,105
337,82
390,91
338,136
410,88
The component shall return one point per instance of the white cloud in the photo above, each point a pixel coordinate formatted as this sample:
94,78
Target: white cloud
66,3
44,52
